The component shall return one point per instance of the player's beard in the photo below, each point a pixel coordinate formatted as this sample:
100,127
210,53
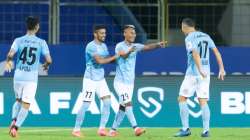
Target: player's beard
101,39
132,40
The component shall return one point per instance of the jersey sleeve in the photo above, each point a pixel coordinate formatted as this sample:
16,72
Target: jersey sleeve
189,45
139,47
211,44
91,50
14,46
45,48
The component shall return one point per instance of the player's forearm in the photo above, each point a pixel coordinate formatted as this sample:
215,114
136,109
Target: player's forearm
48,60
151,46
125,55
47,63
219,60
10,56
106,60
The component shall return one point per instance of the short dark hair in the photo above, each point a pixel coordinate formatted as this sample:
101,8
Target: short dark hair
31,22
98,27
128,26
189,22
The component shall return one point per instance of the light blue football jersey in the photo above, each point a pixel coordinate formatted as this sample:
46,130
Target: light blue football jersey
95,71
200,42
29,49
125,67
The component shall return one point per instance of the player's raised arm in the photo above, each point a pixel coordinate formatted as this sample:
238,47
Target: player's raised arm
152,46
101,60
220,63
197,61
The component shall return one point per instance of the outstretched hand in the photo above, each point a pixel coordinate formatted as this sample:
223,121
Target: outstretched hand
163,44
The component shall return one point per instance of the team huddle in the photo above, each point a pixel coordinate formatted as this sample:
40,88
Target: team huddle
197,79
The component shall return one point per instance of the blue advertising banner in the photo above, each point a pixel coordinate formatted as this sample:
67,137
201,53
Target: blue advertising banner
69,60
154,100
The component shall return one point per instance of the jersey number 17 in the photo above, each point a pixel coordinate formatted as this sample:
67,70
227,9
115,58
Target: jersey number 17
203,48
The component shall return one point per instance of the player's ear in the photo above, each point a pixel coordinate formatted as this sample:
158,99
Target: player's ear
95,34
37,27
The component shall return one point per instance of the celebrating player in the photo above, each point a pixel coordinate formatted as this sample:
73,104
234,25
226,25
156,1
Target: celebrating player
197,76
28,49
125,75
96,55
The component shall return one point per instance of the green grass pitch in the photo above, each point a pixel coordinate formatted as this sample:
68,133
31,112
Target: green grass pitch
40,133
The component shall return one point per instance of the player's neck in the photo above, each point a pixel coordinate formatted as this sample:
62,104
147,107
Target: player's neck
97,42
191,30
31,32
127,42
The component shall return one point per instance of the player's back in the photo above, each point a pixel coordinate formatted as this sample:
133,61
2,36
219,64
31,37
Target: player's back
201,42
29,49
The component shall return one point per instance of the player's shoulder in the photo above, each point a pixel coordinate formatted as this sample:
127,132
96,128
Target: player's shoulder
189,37
120,44
202,34
42,43
91,45
197,34
33,38
39,39
206,36
20,38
